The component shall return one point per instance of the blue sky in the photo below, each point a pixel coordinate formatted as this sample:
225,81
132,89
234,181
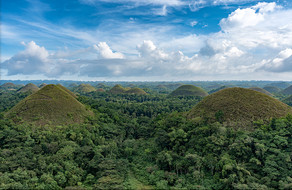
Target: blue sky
146,39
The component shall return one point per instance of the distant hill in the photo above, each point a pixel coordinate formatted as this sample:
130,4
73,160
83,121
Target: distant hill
28,88
85,88
279,84
261,90
288,100
189,90
117,89
100,90
238,107
51,105
42,85
287,91
8,85
272,89
218,89
135,90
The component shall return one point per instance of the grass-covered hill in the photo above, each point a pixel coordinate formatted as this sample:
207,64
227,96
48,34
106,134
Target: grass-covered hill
84,88
261,90
50,105
100,90
189,90
287,91
67,90
135,90
117,89
272,89
8,85
30,87
238,107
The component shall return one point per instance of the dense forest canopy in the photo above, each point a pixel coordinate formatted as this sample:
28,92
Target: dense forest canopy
143,142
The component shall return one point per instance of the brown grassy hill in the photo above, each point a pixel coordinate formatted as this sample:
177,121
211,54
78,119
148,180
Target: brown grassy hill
100,90
135,90
28,88
8,85
189,90
67,90
238,107
117,89
261,90
85,88
50,105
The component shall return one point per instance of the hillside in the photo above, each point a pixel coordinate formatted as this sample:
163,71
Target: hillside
238,107
84,88
50,105
8,85
28,88
288,100
135,90
261,90
67,90
189,90
218,89
117,89
42,85
287,91
272,89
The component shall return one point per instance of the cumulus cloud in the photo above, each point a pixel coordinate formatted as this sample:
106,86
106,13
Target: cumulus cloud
252,40
32,60
106,52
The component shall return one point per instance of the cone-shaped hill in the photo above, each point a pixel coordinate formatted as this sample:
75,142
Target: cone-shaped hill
135,90
117,89
287,91
261,90
238,107
272,89
189,90
67,90
85,88
8,85
50,105
28,88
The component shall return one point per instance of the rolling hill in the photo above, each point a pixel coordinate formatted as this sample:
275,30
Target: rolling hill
261,90
84,88
189,90
28,88
287,91
272,89
238,107
117,89
135,90
50,105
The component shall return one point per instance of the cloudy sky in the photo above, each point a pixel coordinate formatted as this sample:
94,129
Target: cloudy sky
146,39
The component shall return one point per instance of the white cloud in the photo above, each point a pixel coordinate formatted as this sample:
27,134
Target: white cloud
194,23
106,52
33,59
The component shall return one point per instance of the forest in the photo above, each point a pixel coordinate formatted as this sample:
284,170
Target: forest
143,142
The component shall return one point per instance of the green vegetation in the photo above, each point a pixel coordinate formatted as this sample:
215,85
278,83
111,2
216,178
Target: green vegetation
272,89
84,88
189,90
51,105
288,100
239,107
67,90
152,141
28,88
261,90
118,89
42,85
218,89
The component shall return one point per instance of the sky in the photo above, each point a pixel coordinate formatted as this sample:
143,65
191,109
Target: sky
146,40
